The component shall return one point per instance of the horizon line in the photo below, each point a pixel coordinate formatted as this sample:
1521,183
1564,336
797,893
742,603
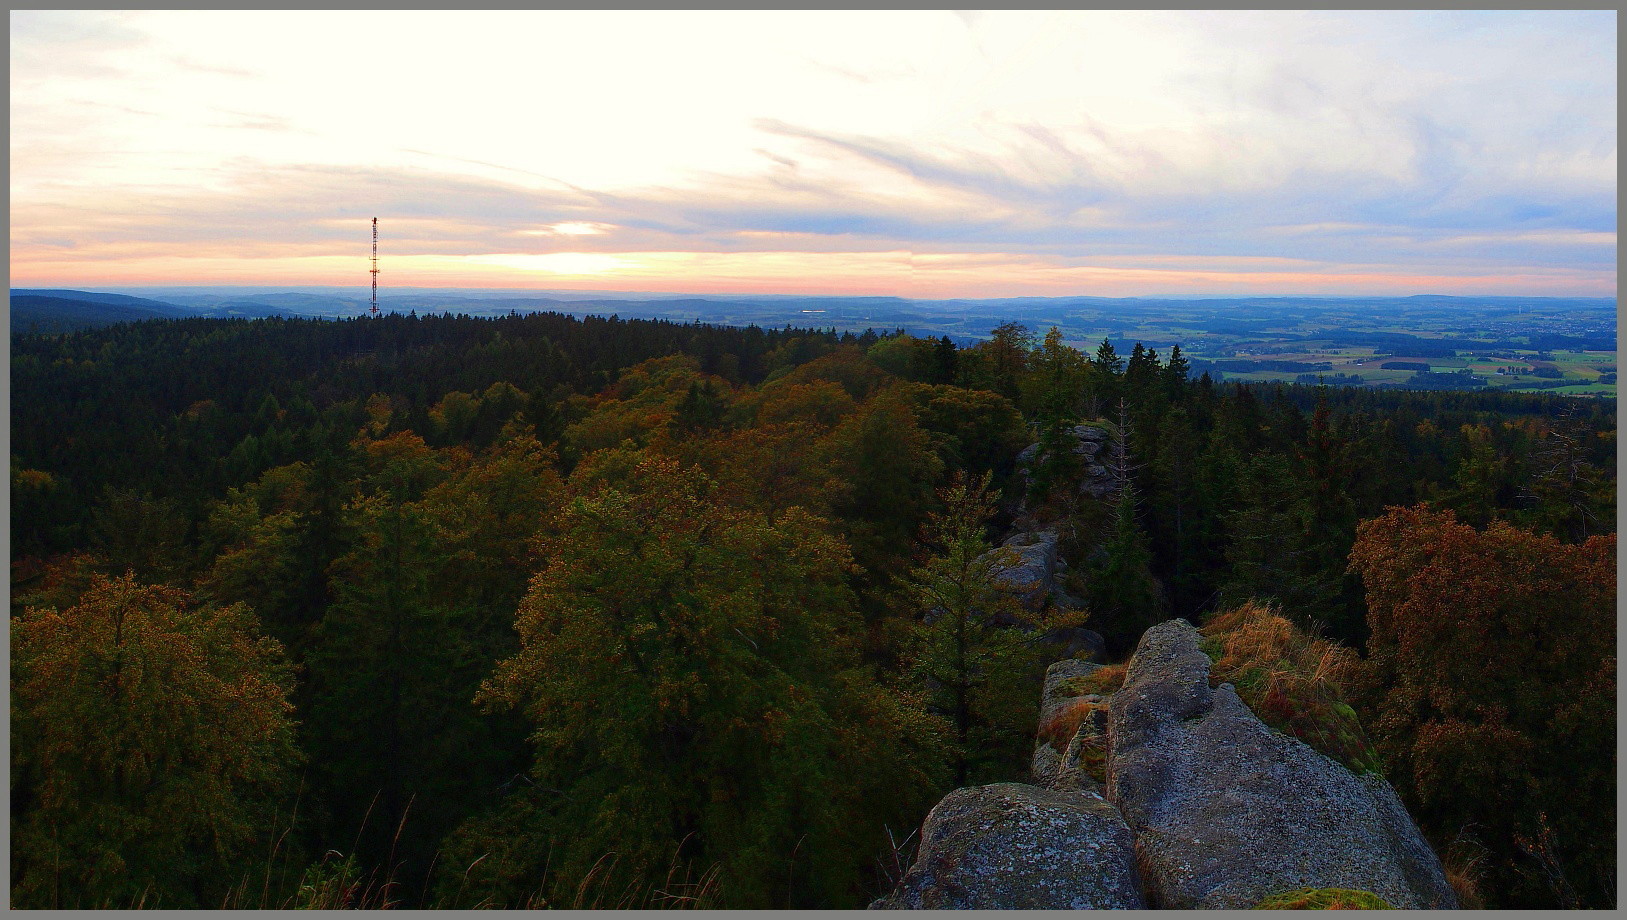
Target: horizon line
363,291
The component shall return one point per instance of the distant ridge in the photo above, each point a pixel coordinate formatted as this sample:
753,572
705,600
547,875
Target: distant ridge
119,300
53,310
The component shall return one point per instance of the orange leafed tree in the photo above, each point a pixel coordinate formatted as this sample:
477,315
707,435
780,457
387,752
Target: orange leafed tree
1492,670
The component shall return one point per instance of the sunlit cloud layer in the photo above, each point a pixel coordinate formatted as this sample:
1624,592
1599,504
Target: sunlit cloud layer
918,154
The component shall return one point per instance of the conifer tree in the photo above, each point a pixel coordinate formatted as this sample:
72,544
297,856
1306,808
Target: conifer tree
1142,374
1124,596
888,460
1182,534
1008,347
1176,371
976,665
1054,391
1107,359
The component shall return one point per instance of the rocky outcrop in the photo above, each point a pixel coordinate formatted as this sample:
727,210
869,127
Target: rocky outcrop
1226,811
1035,576
1217,810
1096,452
1165,790
1056,845
1035,572
1039,572
1014,846
1076,642
1061,679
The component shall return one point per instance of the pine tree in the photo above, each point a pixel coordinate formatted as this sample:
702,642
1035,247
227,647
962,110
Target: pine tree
1320,590
1053,394
1008,347
1107,359
1175,374
1182,534
1124,596
1142,375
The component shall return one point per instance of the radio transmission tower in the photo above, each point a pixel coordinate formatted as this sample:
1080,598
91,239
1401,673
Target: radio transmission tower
375,311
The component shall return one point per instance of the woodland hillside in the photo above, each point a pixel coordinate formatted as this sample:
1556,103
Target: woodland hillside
437,611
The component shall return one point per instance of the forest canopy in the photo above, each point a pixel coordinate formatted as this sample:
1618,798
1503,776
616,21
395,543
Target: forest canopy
436,611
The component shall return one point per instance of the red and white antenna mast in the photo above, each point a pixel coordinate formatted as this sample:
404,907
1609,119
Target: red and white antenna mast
375,271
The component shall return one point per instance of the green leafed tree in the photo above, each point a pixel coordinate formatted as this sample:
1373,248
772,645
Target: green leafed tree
139,532
1053,390
887,459
1006,357
422,605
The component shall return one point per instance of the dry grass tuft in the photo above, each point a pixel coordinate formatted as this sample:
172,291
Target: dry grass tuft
1059,729
1463,874
1147,871
1324,899
1294,682
1104,681
1093,753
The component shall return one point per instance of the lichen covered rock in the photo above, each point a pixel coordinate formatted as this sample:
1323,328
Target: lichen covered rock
1035,573
1076,642
1227,811
1012,846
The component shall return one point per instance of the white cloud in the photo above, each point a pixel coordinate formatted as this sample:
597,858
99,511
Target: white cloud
1270,135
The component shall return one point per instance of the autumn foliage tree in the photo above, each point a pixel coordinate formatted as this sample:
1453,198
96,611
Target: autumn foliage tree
1492,672
695,696
149,737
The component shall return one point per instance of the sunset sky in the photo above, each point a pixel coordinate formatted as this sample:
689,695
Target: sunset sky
916,154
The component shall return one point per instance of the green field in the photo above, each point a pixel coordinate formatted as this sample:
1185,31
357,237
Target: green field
1281,340
1580,370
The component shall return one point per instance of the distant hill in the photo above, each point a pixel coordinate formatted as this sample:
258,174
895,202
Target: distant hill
261,304
65,311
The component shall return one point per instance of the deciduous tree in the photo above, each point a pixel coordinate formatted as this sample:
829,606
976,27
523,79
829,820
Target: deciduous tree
150,738
687,669
1492,665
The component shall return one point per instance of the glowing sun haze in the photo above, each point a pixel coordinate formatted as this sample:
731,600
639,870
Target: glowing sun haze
917,154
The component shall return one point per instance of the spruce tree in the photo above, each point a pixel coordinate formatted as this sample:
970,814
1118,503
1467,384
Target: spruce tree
974,664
